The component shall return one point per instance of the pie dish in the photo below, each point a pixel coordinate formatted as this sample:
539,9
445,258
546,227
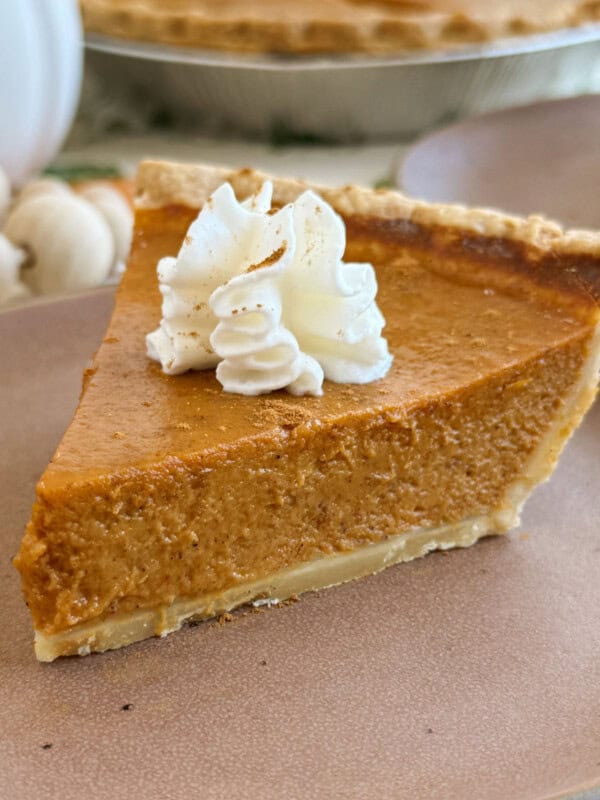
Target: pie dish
318,26
170,500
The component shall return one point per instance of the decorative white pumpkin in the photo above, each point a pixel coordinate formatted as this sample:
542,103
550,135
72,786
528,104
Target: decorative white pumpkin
68,240
4,194
42,56
41,186
11,259
117,212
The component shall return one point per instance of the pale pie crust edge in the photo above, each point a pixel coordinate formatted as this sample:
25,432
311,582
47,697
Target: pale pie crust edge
122,629
163,183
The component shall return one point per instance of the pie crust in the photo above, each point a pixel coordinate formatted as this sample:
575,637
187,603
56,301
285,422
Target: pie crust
527,257
162,184
330,26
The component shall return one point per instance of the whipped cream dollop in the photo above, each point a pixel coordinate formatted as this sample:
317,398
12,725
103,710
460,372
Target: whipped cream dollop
265,296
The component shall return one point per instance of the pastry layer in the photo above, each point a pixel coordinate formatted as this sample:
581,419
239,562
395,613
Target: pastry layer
333,26
124,628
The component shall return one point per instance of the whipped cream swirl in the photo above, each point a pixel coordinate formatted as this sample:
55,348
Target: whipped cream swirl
265,296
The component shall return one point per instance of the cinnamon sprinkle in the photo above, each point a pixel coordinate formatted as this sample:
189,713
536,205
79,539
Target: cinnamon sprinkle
280,412
269,260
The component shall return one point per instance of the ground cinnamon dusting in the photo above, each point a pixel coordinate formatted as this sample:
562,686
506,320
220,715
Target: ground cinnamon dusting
275,256
280,412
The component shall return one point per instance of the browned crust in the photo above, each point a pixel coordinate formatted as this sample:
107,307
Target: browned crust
554,265
531,249
333,26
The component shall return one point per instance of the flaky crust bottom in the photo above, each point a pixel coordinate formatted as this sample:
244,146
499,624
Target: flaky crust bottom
123,629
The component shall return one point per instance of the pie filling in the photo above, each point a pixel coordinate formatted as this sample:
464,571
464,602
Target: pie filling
170,499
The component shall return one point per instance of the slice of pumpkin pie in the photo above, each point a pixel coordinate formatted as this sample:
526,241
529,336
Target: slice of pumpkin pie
301,387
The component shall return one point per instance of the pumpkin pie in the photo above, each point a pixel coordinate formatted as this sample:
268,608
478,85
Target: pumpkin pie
330,26
170,500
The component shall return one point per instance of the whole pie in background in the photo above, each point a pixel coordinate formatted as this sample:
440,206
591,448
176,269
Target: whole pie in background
312,26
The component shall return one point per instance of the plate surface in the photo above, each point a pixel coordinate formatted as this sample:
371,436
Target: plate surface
543,158
471,674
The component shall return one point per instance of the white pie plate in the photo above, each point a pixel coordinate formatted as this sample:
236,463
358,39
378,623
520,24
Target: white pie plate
345,97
